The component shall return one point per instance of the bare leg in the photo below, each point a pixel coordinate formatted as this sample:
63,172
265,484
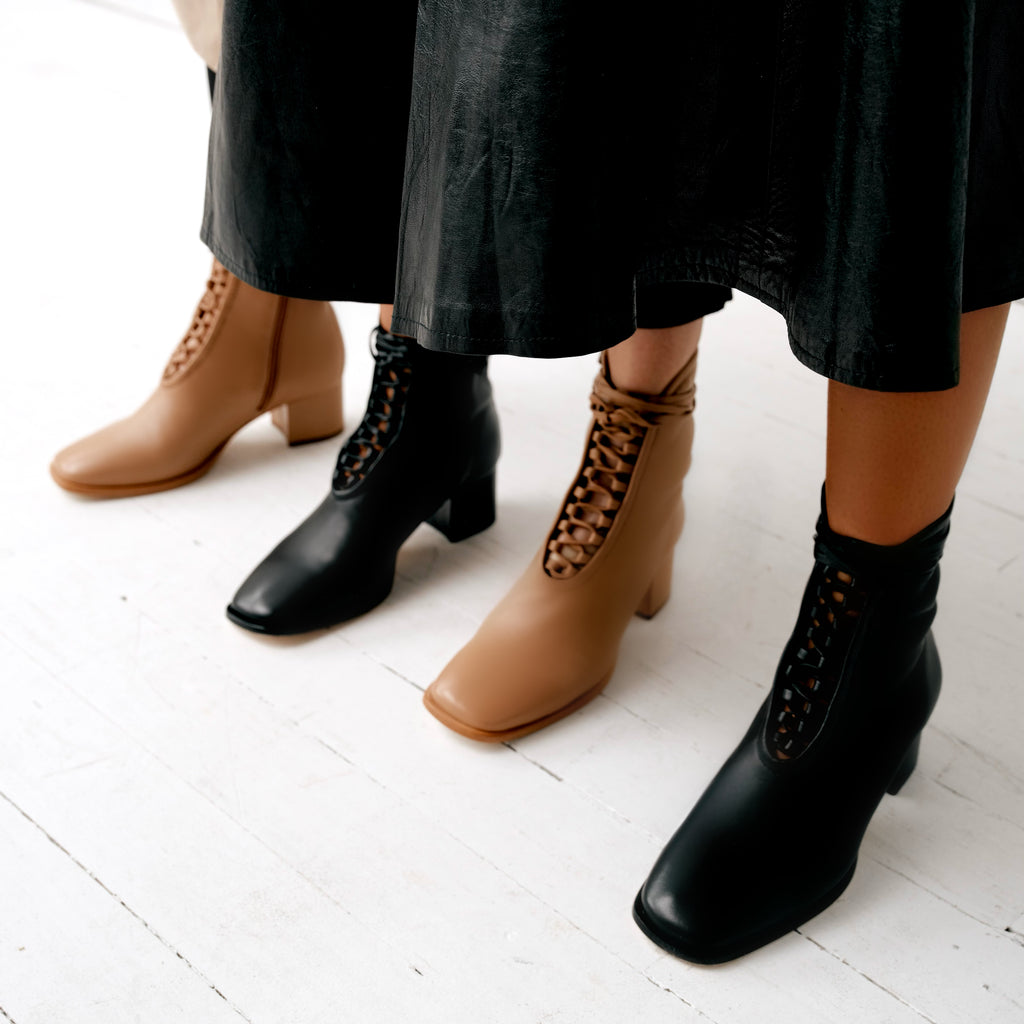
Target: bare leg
385,316
894,459
649,359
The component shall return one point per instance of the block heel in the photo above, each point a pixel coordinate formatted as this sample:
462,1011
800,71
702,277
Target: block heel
468,511
906,768
657,594
310,419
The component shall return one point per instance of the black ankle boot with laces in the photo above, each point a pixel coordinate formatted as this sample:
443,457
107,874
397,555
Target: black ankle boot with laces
425,451
774,838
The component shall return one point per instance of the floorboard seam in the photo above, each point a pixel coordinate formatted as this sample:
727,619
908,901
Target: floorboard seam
867,978
672,992
544,903
600,804
998,508
981,807
141,745
145,924
935,895
383,664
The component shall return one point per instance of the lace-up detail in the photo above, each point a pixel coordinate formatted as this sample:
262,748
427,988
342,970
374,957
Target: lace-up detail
392,376
810,677
621,421
203,320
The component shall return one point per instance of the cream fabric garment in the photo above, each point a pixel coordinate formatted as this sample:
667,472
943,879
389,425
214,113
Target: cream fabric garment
201,20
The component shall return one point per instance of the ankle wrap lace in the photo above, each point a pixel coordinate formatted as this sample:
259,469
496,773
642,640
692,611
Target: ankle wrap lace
203,320
804,693
392,375
621,422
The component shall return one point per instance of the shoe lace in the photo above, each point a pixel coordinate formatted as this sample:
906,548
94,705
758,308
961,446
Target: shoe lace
813,661
621,422
199,331
392,375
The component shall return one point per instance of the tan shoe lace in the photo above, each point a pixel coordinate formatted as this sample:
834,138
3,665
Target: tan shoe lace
203,320
621,422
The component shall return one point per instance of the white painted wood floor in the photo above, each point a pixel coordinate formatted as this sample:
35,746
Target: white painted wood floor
199,825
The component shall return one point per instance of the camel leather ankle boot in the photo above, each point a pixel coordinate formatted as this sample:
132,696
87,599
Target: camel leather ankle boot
246,352
551,644
774,839
425,451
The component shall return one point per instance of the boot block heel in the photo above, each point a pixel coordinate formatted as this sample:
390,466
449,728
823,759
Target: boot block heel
468,511
906,768
310,419
657,594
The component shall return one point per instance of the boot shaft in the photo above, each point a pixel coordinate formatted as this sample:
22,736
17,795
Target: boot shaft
862,634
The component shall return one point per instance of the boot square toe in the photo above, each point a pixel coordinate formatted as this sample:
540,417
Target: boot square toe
707,922
484,707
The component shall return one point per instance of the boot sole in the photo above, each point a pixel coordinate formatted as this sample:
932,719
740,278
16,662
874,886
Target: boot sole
271,628
132,490
155,486
501,736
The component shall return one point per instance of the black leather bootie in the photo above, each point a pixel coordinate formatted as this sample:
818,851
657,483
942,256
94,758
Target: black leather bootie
774,838
425,450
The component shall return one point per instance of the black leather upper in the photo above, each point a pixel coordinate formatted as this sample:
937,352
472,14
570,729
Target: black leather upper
340,561
773,841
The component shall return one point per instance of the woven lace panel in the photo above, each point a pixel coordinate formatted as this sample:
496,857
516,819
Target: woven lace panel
203,321
392,375
621,422
816,656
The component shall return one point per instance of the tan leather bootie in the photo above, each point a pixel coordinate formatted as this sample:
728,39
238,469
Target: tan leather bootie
247,352
551,643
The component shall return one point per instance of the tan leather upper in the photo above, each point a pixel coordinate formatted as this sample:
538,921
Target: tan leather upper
246,351
554,638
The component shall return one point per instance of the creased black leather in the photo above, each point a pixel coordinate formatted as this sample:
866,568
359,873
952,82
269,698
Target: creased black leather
859,165
307,152
307,144
772,842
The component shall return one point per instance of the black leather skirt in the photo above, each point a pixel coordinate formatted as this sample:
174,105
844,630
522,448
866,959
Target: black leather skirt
857,165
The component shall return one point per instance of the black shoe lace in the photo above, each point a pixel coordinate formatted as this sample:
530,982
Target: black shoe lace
392,375
813,661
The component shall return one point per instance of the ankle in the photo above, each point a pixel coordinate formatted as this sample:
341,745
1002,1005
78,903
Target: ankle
857,553
649,361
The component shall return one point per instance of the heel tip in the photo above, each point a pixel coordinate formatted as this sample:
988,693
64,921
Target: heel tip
468,512
648,609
